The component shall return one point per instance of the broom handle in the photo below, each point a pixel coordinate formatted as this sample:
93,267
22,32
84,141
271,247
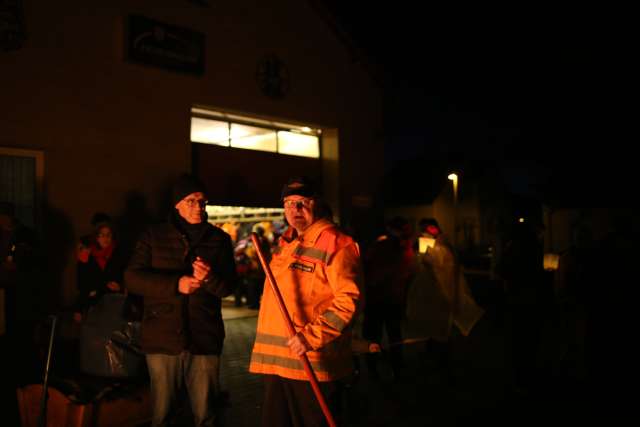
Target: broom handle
42,417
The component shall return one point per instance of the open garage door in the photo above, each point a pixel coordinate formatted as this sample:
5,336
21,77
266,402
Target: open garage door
240,177
245,161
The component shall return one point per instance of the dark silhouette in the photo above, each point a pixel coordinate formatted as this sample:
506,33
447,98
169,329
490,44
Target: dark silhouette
389,267
522,270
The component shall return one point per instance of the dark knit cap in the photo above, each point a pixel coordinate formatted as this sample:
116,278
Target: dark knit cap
299,186
100,218
186,184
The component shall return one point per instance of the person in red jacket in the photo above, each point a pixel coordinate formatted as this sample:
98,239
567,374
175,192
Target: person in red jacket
100,267
318,272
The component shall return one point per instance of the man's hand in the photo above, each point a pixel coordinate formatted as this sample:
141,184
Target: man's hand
188,285
298,344
201,269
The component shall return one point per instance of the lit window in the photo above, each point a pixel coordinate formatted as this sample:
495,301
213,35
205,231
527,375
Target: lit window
253,138
298,144
215,127
209,131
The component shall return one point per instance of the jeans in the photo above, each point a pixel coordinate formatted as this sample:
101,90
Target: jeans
171,374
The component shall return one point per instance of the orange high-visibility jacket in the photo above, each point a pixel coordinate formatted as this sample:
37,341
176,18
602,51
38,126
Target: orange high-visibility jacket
319,276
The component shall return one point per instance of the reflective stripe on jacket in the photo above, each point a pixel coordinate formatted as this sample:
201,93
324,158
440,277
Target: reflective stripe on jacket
319,276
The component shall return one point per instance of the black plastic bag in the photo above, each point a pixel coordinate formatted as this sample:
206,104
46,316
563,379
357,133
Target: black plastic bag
108,340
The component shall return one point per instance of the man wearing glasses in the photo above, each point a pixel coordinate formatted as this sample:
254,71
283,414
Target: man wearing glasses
318,272
182,268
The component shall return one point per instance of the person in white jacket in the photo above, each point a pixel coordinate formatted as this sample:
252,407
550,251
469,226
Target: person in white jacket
439,300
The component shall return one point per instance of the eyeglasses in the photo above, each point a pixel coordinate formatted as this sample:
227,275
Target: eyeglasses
192,203
298,204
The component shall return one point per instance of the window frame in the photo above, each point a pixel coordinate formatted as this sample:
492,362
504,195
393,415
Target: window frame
271,126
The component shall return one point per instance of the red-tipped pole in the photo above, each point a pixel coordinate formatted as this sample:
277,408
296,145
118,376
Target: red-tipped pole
287,320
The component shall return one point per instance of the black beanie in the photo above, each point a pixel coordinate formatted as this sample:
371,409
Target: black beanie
300,186
185,185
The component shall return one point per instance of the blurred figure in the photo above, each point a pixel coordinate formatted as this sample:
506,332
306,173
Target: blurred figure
257,276
574,281
100,267
18,244
389,267
440,301
521,268
231,228
251,276
23,301
244,265
20,261
611,309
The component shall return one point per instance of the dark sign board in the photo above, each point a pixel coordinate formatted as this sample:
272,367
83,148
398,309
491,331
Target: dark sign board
11,24
155,43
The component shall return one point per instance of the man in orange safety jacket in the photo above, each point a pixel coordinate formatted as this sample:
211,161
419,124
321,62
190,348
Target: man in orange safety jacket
318,272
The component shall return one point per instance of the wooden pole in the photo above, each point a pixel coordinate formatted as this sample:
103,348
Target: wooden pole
42,416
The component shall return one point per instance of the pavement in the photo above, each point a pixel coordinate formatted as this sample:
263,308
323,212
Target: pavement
477,389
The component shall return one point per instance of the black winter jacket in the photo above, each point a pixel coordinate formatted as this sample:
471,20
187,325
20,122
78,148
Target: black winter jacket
172,321
92,280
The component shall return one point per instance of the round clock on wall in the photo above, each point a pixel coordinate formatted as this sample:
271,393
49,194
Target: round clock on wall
272,76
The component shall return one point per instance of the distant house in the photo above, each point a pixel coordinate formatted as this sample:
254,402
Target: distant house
476,217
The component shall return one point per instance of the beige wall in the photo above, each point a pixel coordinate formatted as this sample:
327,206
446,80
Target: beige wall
109,128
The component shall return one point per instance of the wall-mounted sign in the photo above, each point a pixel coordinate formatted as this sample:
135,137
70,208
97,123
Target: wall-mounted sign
272,76
11,24
155,43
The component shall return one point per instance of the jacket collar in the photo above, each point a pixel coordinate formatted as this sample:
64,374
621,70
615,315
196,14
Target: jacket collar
310,236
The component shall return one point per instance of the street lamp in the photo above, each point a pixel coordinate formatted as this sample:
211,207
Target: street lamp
454,178
453,310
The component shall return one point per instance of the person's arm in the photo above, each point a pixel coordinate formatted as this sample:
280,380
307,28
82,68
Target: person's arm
344,274
115,271
142,279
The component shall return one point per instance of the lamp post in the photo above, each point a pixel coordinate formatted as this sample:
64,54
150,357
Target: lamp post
454,178
453,310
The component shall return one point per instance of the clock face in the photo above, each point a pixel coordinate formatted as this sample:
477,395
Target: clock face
273,77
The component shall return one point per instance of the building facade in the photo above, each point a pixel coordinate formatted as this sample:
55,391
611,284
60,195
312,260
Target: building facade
98,99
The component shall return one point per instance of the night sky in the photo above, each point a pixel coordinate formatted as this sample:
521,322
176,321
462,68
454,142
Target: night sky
533,94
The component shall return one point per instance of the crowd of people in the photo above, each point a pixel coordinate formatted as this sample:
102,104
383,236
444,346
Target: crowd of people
335,293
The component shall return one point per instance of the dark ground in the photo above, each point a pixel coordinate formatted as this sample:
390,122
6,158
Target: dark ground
477,390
